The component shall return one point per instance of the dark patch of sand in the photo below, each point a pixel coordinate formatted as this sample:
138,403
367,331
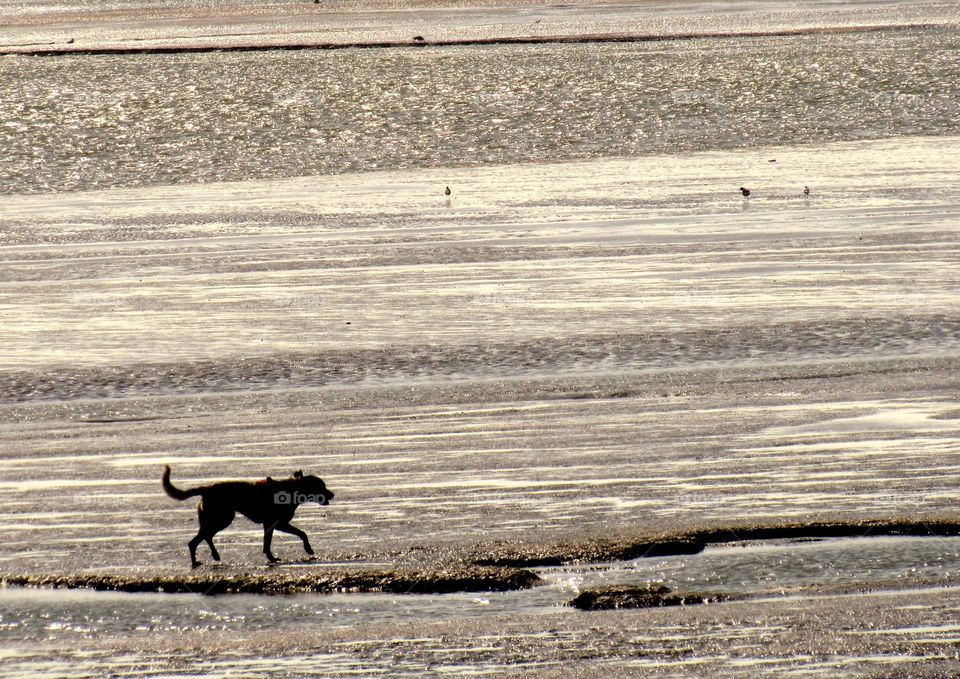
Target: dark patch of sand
693,542
222,45
445,581
509,360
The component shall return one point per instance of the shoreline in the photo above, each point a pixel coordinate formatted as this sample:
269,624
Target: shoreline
66,49
695,541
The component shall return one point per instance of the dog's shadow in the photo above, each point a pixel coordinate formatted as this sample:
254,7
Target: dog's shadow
219,567
306,561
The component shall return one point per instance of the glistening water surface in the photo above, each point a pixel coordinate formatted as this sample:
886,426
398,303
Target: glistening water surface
99,122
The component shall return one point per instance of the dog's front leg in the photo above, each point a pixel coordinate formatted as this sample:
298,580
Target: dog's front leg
293,530
267,539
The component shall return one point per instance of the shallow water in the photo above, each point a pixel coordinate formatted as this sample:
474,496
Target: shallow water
751,568
779,567
73,619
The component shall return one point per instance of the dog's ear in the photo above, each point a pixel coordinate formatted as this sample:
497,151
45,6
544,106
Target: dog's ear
269,480
298,474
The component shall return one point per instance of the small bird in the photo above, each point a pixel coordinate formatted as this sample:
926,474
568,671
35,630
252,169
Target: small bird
418,38
806,190
447,191
745,192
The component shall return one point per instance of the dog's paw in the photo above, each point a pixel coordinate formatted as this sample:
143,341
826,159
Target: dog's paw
196,564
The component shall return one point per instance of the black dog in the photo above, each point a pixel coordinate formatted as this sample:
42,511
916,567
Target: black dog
268,502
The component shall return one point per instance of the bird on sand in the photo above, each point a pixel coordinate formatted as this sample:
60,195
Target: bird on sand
806,190
447,191
745,192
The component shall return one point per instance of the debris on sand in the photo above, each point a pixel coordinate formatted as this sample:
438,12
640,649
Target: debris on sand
445,581
632,596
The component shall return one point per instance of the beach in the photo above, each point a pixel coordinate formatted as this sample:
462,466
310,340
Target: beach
593,362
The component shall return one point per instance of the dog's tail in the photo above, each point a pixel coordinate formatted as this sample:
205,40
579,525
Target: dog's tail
175,492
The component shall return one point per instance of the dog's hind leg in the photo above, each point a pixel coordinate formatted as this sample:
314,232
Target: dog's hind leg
211,523
267,539
193,544
293,530
213,549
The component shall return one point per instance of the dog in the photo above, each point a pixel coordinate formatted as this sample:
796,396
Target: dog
270,502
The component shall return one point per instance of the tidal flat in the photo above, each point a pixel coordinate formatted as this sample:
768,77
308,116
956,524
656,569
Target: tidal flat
488,271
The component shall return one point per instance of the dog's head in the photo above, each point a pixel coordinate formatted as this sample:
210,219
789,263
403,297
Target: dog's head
313,487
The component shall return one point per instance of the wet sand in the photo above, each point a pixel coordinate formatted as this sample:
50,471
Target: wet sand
574,361
649,364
